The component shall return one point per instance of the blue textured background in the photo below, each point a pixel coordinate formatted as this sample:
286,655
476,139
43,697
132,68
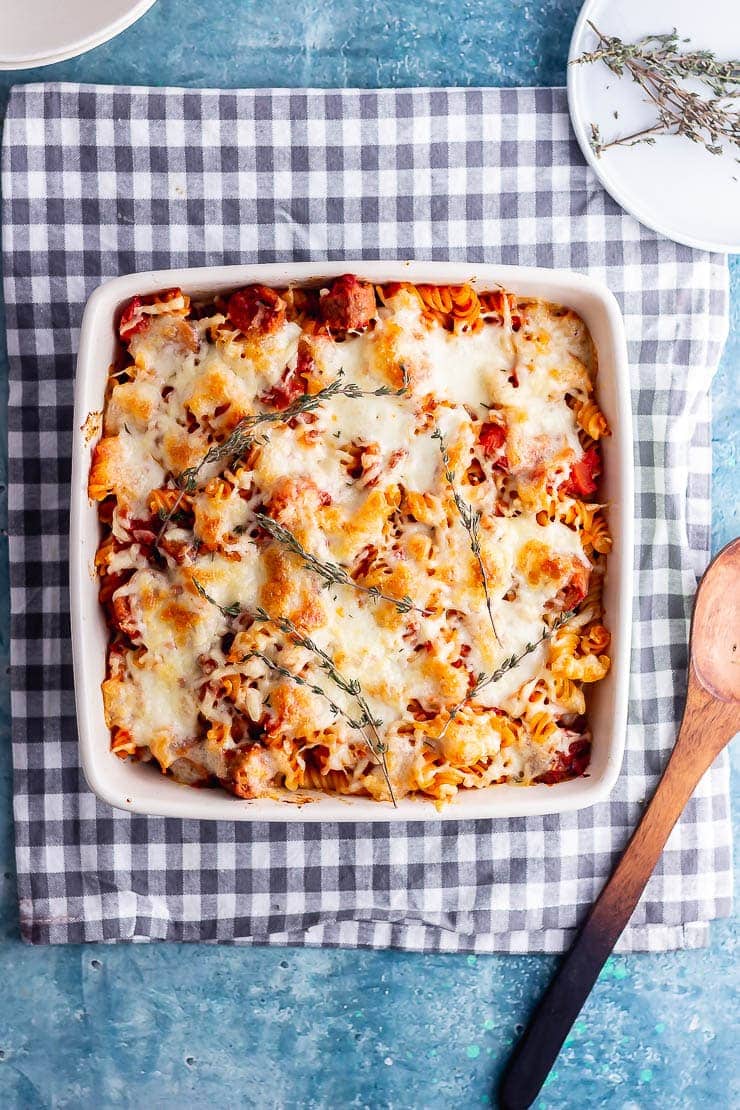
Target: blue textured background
173,1026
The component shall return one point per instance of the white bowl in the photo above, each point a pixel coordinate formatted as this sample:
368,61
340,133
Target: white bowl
41,32
141,788
675,187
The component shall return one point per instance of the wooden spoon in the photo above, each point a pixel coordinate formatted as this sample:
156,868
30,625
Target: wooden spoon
711,718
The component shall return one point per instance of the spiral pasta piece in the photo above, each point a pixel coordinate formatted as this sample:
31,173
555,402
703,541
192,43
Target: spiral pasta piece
166,500
595,640
541,727
597,535
337,782
455,307
592,420
568,694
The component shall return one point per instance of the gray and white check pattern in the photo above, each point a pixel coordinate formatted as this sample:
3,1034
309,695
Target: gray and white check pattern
102,181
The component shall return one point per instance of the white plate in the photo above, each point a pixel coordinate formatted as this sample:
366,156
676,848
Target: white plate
39,32
139,787
674,187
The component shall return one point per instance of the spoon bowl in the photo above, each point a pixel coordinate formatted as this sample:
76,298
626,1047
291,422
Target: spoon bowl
715,629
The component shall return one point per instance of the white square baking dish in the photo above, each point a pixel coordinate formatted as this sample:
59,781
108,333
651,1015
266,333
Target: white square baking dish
141,788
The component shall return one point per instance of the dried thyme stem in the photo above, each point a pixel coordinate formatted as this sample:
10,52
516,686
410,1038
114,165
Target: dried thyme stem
484,679
276,668
240,441
470,518
350,686
658,66
332,574
228,611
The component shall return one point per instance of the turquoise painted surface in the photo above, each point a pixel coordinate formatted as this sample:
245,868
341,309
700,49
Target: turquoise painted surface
175,1026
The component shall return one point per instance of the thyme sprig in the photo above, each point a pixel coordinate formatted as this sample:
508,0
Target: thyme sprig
331,574
470,518
236,445
484,679
657,64
350,686
240,441
299,680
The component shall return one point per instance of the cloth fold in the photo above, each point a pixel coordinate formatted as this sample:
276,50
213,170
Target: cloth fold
99,181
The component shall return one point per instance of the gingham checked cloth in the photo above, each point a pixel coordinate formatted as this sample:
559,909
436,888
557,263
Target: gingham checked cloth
102,181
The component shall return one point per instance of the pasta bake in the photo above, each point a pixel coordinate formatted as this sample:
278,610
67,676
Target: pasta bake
352,539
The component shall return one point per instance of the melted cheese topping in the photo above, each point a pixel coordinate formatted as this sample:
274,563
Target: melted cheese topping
206,676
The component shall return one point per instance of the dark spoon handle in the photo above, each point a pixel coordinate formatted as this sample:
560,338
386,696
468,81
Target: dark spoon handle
706,728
